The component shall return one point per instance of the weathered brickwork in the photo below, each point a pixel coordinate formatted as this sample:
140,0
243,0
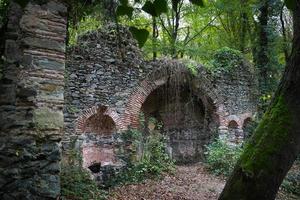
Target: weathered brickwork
31,101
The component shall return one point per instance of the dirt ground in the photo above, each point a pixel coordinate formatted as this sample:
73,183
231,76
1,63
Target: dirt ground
186,183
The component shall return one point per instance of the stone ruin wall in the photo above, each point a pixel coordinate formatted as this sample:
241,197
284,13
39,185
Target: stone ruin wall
107,87
105,91
240,92
31,101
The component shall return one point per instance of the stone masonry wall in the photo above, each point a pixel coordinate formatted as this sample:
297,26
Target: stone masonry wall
31,100
239,88
108,82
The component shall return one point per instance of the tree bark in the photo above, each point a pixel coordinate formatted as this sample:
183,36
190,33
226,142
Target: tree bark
154,38
263,42
285,41
276,142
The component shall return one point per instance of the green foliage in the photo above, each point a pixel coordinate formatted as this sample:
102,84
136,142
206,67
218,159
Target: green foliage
192,67
226,59
153,160
86,24
221,157
197,2
76,183
141,35
156,8
124,9
290,4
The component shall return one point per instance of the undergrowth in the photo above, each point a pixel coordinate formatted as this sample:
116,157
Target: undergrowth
76,183
148,158
221,157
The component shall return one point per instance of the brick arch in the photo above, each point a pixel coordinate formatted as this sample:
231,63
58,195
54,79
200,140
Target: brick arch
247,116
158,78
87,113
233,118
233,124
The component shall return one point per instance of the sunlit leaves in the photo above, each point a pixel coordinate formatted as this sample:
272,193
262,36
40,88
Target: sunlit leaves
141,35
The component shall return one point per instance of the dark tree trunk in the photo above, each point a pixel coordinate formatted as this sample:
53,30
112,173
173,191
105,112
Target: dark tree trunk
244,24
263,42
276,142
154,38
284,36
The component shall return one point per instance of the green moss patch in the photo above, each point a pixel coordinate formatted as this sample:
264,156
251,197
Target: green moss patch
269,138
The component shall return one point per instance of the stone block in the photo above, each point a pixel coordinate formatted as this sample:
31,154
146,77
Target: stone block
12,51
47,63
44,44
45,118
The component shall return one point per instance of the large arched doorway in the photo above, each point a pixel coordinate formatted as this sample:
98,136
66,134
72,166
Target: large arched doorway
186,119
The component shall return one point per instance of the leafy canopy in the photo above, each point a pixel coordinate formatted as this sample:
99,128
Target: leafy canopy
153,8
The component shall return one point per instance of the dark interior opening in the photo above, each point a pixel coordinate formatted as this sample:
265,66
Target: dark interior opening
95,168
186,120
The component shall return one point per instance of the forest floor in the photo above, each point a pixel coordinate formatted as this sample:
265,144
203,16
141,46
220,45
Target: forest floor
191,182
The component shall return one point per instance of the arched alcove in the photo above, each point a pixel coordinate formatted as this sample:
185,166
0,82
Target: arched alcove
98,127
248,127
233,131
100,123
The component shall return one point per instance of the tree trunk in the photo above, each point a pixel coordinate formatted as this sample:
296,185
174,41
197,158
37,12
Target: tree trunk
276,142
285,41
154,38
263,42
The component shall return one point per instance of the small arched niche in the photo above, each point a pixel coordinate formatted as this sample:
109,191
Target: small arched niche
233,131
100,123
248,127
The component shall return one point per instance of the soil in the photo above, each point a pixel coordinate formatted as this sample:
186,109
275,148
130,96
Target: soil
191,182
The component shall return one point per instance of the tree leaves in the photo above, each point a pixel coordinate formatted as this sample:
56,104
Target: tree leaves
149,8
161,6
198,2
156,8
141,35
290,4
124,10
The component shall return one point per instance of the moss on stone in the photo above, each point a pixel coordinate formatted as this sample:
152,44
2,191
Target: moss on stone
44,118
270,136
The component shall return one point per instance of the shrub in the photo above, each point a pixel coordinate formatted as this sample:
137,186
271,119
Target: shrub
221,157
153,160
226,59
76,183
